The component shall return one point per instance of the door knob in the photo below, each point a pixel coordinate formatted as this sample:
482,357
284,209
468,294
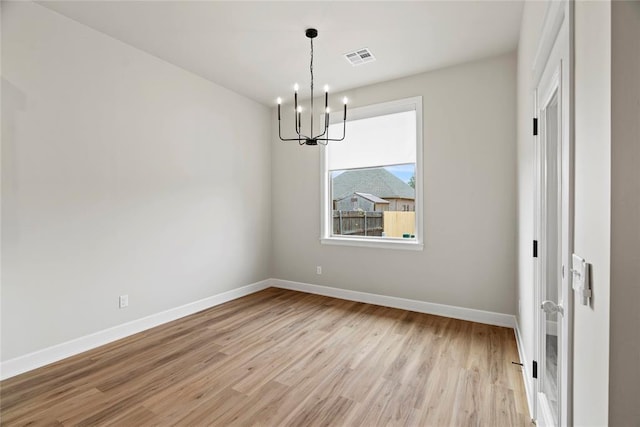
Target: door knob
551,307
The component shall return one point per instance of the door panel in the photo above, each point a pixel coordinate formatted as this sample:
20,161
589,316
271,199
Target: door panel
550,252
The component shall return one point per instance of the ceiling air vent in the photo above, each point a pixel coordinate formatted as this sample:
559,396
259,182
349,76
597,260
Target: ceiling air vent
360,56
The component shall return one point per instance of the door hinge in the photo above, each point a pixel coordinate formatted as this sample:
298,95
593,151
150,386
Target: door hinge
535,369
535,249
535,126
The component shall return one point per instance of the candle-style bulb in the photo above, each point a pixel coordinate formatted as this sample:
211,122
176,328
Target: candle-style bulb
296,87
279,100
299,109
327,110
345,100
326,88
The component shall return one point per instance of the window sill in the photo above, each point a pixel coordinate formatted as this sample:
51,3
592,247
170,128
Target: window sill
382,243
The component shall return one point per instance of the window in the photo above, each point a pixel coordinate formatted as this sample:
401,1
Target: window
371,181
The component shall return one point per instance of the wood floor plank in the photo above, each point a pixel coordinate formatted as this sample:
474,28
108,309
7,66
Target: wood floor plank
139,416
278,358
214,411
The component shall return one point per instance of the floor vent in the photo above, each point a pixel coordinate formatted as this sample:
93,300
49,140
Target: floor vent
360,56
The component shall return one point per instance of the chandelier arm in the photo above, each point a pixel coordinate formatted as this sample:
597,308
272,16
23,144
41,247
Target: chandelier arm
293,139
322,134
299,138
344,133
301,135
299,126
290,139
299,141
326,128
280,131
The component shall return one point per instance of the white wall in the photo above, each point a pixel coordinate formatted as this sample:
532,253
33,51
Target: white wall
121,174
470,205
530,32
624,347
592,207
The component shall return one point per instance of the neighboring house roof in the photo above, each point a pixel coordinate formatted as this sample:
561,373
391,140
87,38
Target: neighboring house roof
378,181
372,198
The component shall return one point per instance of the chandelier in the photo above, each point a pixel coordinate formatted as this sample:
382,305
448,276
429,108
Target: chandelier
322,138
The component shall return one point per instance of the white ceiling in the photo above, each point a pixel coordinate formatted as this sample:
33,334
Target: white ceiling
259,48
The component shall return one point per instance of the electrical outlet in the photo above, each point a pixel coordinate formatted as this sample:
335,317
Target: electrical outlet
319,269
123,301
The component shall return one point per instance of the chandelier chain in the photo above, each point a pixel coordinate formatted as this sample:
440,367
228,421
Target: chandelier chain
311,70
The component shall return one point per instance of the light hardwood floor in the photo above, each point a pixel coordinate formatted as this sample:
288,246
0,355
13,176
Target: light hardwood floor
277,358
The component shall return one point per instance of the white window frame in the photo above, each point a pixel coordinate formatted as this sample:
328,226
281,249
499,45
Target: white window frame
407,104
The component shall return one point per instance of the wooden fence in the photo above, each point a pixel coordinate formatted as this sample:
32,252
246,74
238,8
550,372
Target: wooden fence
397,223
360,223
357,223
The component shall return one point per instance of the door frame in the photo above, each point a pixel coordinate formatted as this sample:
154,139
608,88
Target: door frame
557,30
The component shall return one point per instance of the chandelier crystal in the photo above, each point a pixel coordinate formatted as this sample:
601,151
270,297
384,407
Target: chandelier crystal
322,138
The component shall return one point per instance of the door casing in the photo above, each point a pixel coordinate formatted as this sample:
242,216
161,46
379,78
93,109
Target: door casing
553,69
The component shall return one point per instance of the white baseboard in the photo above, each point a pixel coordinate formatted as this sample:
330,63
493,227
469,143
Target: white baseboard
526,373
61,351
480,316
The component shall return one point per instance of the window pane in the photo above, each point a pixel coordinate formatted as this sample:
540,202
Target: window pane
374,202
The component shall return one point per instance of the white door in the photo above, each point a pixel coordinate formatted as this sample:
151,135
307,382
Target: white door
553,234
